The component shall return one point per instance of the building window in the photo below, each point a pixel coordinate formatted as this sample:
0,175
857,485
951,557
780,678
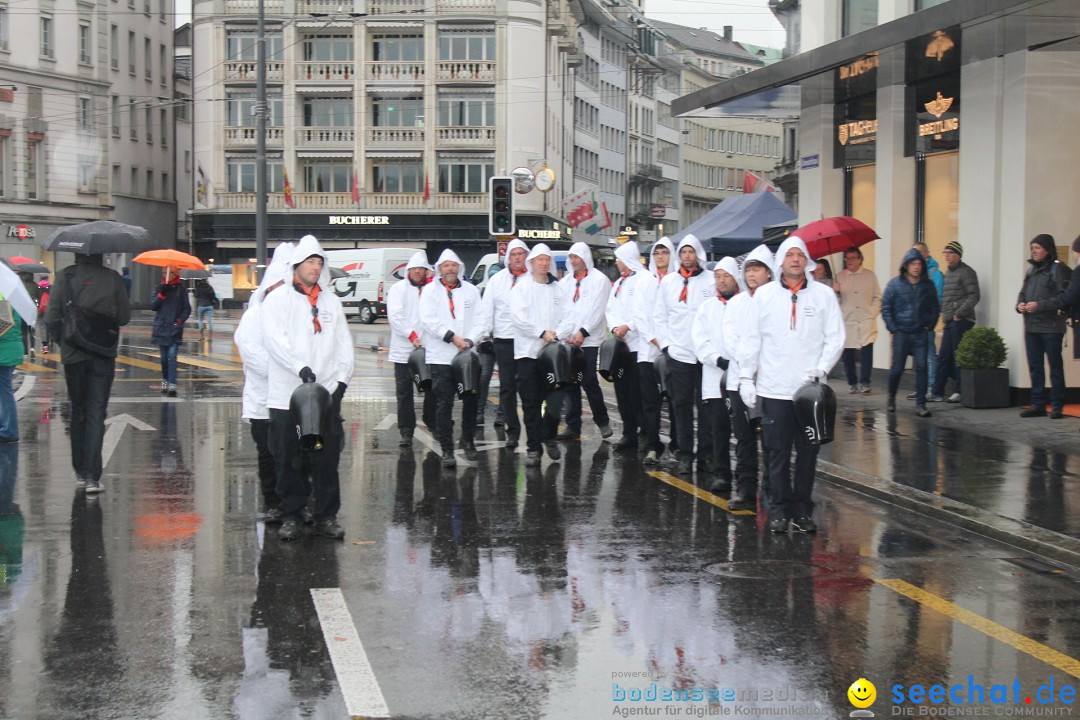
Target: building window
467,111
114,47
47,37
240,110
5,163
187,161
87,172
115,179
243,46
400,112
858,15
148,122
134,185
164,117
470,44
131,52
324,175
3,27
35,168
923,4
84,43
114,115
328,48
162,63
398,177
328,112
84,113
148,57
133,130
397,48
149,183
166,191
465,175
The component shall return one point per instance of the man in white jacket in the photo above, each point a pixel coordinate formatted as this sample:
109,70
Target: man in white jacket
536,307
795,335
620,320
449,311
679,296
403,312
248,338
757,269
649,348
499,326
306,337
585,295
710,347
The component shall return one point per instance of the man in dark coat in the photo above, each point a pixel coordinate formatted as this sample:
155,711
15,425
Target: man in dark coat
910,308
1044,326
172,308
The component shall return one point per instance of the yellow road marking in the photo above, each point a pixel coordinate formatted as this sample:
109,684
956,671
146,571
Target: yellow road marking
696,492
34,367
136,362
987,627
222,356
189,360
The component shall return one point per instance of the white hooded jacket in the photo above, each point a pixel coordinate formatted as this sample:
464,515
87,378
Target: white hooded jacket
495,305
403,310
620,304
291,341
645,306
786,346
739,312
673,321
710,343
439,323
248,336
535,308
587,312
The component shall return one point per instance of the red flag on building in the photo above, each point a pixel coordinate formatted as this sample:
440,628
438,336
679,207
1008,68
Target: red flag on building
427,187
753,184
289,202
355,188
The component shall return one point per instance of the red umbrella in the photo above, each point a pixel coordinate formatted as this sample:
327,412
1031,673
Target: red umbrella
835,234
19,259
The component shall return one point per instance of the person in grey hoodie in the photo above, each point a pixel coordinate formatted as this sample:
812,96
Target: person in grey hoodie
1044,326
909,307
958,301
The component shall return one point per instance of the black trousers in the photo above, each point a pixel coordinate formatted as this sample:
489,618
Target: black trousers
719,431
789,496
746,447
628,398
487,369
294,466
260,433
540,426
504,356
591,384
406,410
650,406
684,389
445,390
89,384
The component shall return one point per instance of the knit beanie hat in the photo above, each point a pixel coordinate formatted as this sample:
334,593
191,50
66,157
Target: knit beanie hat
1047,243
955,247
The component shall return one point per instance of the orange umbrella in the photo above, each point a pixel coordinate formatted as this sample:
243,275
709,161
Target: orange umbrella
170,258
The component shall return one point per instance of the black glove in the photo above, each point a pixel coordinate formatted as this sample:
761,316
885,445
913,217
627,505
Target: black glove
306,375
486,347
339,393
162,288
721,363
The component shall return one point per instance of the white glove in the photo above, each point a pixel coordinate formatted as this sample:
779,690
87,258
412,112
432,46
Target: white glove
814,375
748,393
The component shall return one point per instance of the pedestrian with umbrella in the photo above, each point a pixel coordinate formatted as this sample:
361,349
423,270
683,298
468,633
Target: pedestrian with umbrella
171,307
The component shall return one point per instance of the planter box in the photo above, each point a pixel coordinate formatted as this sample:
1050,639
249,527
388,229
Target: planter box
984,388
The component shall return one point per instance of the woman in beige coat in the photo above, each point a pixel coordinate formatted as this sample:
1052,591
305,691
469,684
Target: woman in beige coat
860,301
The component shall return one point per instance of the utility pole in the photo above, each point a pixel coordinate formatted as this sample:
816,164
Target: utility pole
260,144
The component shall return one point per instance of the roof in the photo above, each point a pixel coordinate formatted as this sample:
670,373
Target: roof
703,40
767,55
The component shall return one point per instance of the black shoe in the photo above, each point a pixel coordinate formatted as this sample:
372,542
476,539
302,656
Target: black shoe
512,442
684,468
289,530
448,460
328,527
778,525
470,451
743,502
405,441
1056,415
307,517
273,516
480,421
890,404
804,525
553,450
720,486
626,443
569,435
606,431
921,411
500,420
1033,412
532,459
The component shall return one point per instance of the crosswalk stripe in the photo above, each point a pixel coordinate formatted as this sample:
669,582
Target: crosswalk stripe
34,367
189,360
136,362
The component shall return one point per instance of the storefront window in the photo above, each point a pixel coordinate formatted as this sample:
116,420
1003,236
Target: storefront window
938,198
859,15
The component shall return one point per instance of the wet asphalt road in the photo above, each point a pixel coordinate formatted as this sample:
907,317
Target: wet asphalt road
485,592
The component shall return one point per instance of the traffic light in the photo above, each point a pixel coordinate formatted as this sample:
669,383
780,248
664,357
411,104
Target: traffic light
501,206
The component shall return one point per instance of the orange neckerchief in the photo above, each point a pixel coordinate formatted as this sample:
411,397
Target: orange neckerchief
450,295
794,296
515,275
724,299
686,275
313,298
577,287
622,280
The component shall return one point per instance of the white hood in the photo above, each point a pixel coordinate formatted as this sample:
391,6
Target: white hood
582,251
449,255
763,255
692,242
538,249
307,247
514,244
731,267
419,259
793,241
630,256
666,242
279,269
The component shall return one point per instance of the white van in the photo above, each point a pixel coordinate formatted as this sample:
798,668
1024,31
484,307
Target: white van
490,264
369,275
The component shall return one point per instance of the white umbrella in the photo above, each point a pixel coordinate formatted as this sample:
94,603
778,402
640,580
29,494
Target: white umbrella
12,290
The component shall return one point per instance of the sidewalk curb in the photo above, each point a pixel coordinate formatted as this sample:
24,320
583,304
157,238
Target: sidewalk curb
1025,536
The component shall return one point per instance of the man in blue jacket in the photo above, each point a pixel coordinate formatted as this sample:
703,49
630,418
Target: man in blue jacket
933,271
910,308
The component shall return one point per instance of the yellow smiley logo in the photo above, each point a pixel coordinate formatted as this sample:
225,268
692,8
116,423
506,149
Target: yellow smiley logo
862,693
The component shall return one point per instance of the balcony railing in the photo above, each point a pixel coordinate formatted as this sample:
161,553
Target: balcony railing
391,7
251,7
247,69
465,135
244,136
394,71
324,137
382,136
369,202
450,7
326,7
333,72
648,171
464,70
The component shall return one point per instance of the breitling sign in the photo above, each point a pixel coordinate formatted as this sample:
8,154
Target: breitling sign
938,107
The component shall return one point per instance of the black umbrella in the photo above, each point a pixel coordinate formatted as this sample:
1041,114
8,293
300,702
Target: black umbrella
100,237
32,267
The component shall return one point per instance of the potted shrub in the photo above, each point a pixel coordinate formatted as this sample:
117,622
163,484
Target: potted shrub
983,382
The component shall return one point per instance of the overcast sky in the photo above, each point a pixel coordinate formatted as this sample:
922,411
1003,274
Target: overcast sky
751,19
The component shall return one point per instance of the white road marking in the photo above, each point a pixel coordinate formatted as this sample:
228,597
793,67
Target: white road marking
116,427
387,422
26,387
363,696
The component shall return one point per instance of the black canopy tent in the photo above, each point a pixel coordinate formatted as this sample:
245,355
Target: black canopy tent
736,225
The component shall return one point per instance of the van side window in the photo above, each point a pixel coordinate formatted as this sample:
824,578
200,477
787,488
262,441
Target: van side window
478,274
493,270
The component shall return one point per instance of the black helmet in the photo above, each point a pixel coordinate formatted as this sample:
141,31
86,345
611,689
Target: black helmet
614,359
660,367
418,368
554,366
465,368
577,363
815,411
312,409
